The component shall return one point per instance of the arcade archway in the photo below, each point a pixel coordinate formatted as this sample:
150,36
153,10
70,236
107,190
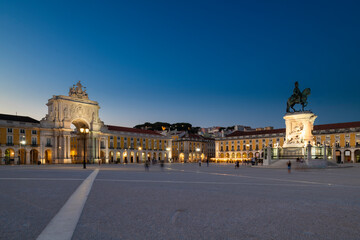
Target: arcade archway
48,156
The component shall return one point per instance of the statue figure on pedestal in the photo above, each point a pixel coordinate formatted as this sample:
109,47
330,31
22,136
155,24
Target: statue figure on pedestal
77,91
298,97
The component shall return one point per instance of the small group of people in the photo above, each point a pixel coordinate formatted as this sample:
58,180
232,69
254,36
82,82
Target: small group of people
147,164
207,162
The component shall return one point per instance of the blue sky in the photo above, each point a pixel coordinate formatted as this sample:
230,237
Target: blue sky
209,63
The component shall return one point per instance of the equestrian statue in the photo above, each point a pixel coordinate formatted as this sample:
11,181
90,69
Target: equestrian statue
298,97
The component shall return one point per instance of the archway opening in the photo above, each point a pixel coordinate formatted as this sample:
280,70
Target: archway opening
357,155
79,142
102,157
22,156
338,156
132,157
48,156
181,157
34,156
9,156
125,157
347,156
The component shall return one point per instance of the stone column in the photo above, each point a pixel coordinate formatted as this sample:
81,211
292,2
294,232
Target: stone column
55,155
342,156
69,147
27,157
106,150
352,155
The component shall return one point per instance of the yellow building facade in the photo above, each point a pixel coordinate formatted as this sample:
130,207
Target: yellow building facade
58,137
343,138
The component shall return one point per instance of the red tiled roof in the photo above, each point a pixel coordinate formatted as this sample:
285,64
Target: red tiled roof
250,133
192,136
337,125
133,130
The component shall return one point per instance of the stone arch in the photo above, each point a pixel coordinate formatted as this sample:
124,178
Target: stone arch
111,156
244,155
80,123
48,156
118,157
102,157
132,157
357,155
34,156
148,156
181,157
10,155
347,156
338,156
154,156
251,155
202,157
233,155
22,155
125,157
160,156
227,155
137,157
238,155
221,155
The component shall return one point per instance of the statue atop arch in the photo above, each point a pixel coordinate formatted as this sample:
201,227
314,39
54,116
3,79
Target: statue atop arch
78,92
298,97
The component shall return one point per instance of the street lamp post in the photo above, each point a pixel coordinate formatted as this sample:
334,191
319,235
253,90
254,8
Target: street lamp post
84,132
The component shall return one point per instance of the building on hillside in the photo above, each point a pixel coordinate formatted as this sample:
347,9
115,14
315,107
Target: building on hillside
73,130
344,138
188,147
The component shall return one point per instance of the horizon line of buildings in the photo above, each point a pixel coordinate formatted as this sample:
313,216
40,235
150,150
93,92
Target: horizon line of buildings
59,138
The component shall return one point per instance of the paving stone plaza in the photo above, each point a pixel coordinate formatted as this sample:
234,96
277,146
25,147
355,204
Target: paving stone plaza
180,201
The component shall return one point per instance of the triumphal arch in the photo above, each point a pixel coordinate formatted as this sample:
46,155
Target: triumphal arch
64,112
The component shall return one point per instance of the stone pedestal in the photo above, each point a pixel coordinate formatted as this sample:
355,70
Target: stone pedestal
299,126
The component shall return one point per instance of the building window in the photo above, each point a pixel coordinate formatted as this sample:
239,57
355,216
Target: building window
9,140
48,142
22,131
33,131
33,141
9,130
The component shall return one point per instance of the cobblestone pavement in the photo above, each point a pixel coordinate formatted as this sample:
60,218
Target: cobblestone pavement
184,201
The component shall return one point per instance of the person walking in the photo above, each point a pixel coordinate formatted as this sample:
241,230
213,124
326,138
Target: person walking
199,163
207,162
289,166
147,165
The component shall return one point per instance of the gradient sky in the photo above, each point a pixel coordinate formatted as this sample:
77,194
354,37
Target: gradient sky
210,63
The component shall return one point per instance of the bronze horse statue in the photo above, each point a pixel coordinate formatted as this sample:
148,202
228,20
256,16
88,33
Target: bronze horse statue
298,100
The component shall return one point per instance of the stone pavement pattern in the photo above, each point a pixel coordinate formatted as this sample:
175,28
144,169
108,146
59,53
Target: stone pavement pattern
186,202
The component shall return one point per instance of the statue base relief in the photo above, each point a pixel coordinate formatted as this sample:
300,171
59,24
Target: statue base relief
299,126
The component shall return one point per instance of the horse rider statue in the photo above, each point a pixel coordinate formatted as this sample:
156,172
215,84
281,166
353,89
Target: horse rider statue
298,97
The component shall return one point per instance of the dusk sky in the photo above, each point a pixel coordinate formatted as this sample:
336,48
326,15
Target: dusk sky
209,63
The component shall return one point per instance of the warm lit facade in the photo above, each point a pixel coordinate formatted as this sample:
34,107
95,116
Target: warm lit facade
57,138
192,148
344,138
